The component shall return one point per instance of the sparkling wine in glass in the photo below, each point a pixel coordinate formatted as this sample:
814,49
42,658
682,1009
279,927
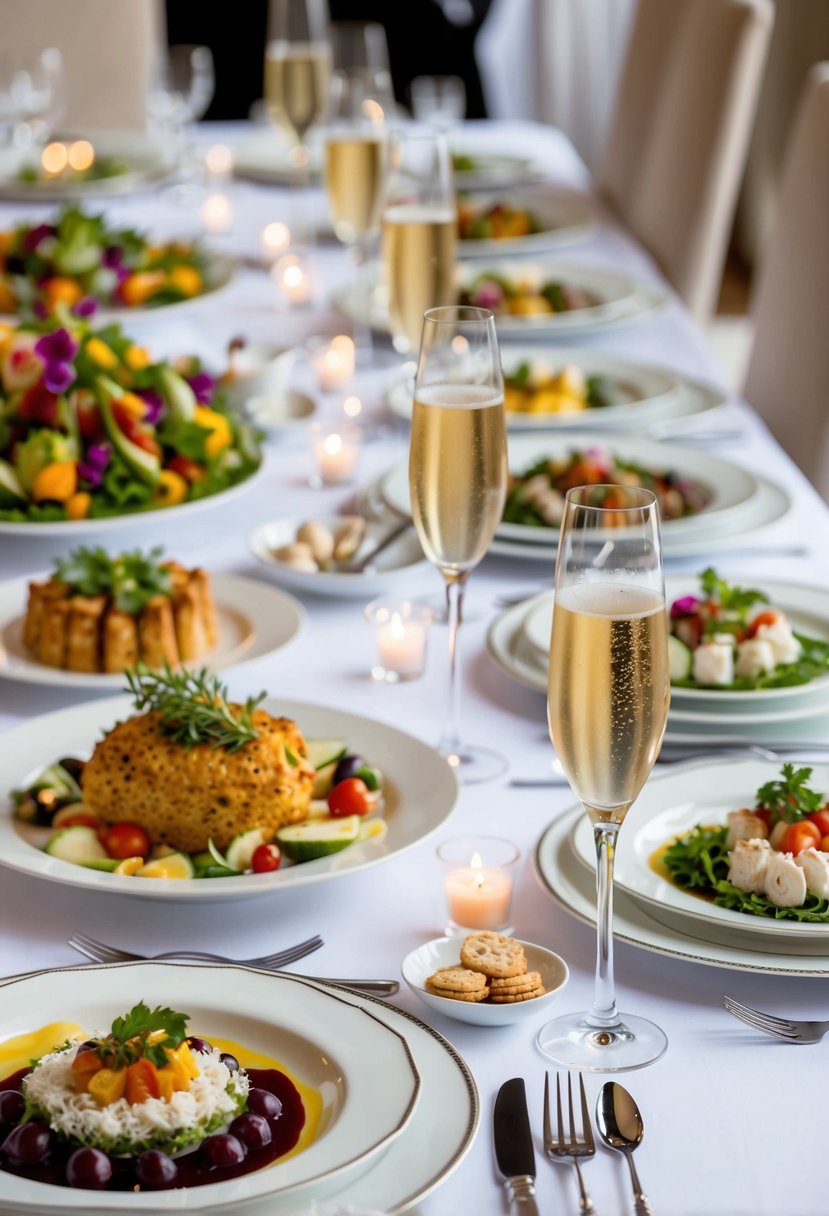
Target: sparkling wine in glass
608,699
419,232
297,69
458,478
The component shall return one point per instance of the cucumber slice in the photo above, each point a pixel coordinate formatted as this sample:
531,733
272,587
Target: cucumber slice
107,864
12,493
218,857
322,752
77,844
318,837
680,659
176,865
324,780
239,853
63,783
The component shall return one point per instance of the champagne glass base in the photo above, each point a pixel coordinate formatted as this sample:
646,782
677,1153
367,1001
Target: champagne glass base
573,1043
475,764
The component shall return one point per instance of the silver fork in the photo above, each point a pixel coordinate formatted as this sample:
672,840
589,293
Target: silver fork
780,1028
99,952
564,1148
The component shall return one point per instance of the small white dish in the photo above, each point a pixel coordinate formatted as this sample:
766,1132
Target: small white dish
445,952
280,414
258,369
400,561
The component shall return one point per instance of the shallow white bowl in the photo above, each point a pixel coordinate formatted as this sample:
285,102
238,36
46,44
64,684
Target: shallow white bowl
445,952
280,415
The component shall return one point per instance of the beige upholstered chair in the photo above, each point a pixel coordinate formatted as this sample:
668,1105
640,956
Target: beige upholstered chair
680,133
108,49
788,372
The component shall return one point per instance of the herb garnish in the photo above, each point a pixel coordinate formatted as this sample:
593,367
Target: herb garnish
730,599
143,1032
131,578
193,707
790,799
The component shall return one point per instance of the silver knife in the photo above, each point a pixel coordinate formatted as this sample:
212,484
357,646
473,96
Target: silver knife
514,1147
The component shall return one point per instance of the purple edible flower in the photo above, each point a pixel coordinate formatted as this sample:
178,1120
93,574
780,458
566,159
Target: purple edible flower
92,476
58,376
155,405
35,235
489,294
202,385
686,605
85,307
112,257
57,347
98,455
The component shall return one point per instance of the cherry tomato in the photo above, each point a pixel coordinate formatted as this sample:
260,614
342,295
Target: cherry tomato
765,618
189,469
821,820
266,857
800,836
350,797
124,840
76,819
134,431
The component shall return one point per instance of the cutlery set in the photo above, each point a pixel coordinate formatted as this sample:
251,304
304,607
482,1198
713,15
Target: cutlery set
618,1121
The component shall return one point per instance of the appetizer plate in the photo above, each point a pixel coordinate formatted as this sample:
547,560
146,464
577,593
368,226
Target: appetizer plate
137,521
563,220
730,488
147,163
669,806
443,952
419,793
319,1035
253,621
402,560
623,301
507,643
491,171
574,889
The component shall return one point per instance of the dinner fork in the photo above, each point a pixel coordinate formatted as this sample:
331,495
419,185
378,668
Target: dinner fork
99,952
780,1028
564,1148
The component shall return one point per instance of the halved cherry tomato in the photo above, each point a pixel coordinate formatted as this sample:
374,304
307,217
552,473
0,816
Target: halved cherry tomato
124,840
349,797
75,819
765,618
821,820
189,469
266,857
142,1082
800,836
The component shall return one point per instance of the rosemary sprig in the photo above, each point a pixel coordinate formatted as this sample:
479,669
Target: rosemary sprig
193,707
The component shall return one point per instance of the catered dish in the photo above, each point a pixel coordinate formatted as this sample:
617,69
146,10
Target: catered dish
498,221
770,859
494,223
318,792
525,295
733,638
85,164
198,787
475,170
94,427
79,263
303,1044
537,387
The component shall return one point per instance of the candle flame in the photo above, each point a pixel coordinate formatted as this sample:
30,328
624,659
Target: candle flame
276,237
352,406
397,628
54,158
477,862
480,879
293,276
332,444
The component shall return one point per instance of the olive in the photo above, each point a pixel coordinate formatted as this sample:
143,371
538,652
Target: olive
73,766
348,767
230,1062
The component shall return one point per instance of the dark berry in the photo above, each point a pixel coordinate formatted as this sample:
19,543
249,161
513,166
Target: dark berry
88,1168
11,1106
263,1102
230,1062
223,1149
28,1143
252,1130
200,1045
155,1170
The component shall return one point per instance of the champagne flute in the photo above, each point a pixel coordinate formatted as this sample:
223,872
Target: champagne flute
458,478
297,71
419,232
607,706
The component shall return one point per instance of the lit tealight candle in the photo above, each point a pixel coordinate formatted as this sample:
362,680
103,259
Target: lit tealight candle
275,239
333,363
336,454
218,161
292,277
478,890
55,157
81,155
401,631
217,214
352,407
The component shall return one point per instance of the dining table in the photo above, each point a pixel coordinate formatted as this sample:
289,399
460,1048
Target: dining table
726,1108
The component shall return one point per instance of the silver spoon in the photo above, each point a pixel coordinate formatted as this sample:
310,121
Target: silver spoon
621,1128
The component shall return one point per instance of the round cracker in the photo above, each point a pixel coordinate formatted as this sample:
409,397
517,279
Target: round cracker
451,995
457,979
514,997
493,955
516,983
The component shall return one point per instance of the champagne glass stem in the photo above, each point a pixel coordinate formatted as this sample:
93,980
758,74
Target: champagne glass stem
301,166
363,337
450,743
603,1013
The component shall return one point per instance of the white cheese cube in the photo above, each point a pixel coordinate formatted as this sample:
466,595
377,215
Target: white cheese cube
785,881
748,864
714,663
753,657
781,639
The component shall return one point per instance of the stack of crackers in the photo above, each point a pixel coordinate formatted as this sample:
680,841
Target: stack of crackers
492,968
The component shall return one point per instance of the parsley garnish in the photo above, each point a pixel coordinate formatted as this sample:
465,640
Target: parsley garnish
193,707
129,1038
790,799
131,579
730,599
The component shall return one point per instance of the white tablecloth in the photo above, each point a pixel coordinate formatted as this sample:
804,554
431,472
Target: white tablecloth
728,1113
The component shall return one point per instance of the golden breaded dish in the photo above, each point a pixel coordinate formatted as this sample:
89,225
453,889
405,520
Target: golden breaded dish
183,796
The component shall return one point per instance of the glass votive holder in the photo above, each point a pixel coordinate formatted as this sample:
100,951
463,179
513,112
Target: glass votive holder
401,631
477,874
335,448
274,240
216,214
332,361
293,276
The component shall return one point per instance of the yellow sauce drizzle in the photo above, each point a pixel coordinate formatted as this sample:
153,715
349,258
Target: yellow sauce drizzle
19,1052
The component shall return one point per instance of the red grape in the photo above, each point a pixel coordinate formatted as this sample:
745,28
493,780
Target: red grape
28,1143
200,1045
155,1170
230,1062
11,1106
88,1168
224,1150
252,1130
263,1102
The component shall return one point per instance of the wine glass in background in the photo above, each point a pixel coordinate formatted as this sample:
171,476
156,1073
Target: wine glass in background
458,478
438,100
297,71
608,705
419,232
359,48
183,84
32,94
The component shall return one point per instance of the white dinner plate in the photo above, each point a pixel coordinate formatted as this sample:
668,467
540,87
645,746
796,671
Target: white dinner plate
494,171
508,645
672,804
317,1033
729,488
574,888
623,301
253,621
420,790
148,163
563,220
402,560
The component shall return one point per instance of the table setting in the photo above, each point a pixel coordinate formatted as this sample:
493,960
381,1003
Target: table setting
320,459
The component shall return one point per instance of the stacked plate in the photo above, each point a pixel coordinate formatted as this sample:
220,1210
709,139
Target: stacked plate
519,639
653,913
398,1106
738,503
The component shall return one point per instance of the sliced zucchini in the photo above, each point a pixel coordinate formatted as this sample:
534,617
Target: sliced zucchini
63,784
322,752
318,837
239,853
77,844
680,659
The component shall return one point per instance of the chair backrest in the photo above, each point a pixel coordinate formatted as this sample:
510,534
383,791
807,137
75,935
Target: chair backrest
679,140
108,49
788,373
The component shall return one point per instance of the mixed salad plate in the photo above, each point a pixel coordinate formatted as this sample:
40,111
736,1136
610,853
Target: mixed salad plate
87,164
493,224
